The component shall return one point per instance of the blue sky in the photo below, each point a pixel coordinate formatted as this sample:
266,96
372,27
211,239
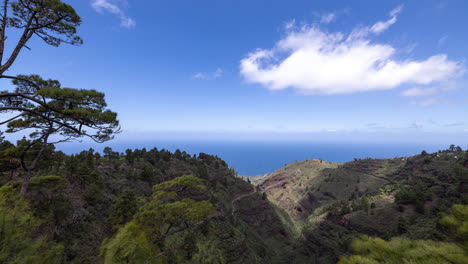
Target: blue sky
265,69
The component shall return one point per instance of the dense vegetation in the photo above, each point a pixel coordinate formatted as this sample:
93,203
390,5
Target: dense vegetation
144,205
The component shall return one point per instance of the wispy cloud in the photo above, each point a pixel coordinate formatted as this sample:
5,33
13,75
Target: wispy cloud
381,26
376,126
111,7
431,95
419,91
327,18
199,76
208,76
442,40
425,102
290,24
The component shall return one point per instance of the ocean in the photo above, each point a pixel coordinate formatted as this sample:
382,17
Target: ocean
254,158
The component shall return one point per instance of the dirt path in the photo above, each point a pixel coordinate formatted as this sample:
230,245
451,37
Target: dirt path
240,197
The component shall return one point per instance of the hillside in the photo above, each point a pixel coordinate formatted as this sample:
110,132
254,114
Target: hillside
302,187
332,203
287,186
79,207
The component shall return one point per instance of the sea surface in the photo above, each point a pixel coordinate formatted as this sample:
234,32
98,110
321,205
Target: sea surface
254,158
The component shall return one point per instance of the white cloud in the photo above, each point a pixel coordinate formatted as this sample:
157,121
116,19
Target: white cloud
397,10
425,102
199,76
418,91
111,7
381,26
314,61
210,76
327,18
127,22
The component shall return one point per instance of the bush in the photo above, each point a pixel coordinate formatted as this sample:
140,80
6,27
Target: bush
457,223
47,198
130,245
21,240
415,195
124,208
401,250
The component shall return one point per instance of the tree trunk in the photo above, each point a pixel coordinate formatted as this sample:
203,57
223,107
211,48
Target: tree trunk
30,168
25,185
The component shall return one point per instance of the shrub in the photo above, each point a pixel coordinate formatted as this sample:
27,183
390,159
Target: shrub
124,208
401,250
21,240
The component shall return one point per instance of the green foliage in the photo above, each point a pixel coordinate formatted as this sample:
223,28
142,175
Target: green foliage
129,156
170,212
457,223
365,204
46,109
124,208
131,244
209,252
20,238
405,196
47,198
415,195
54,21
169,190
401,250
402,225
93,194
147,173
110,154
334,208
8,157
50,109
